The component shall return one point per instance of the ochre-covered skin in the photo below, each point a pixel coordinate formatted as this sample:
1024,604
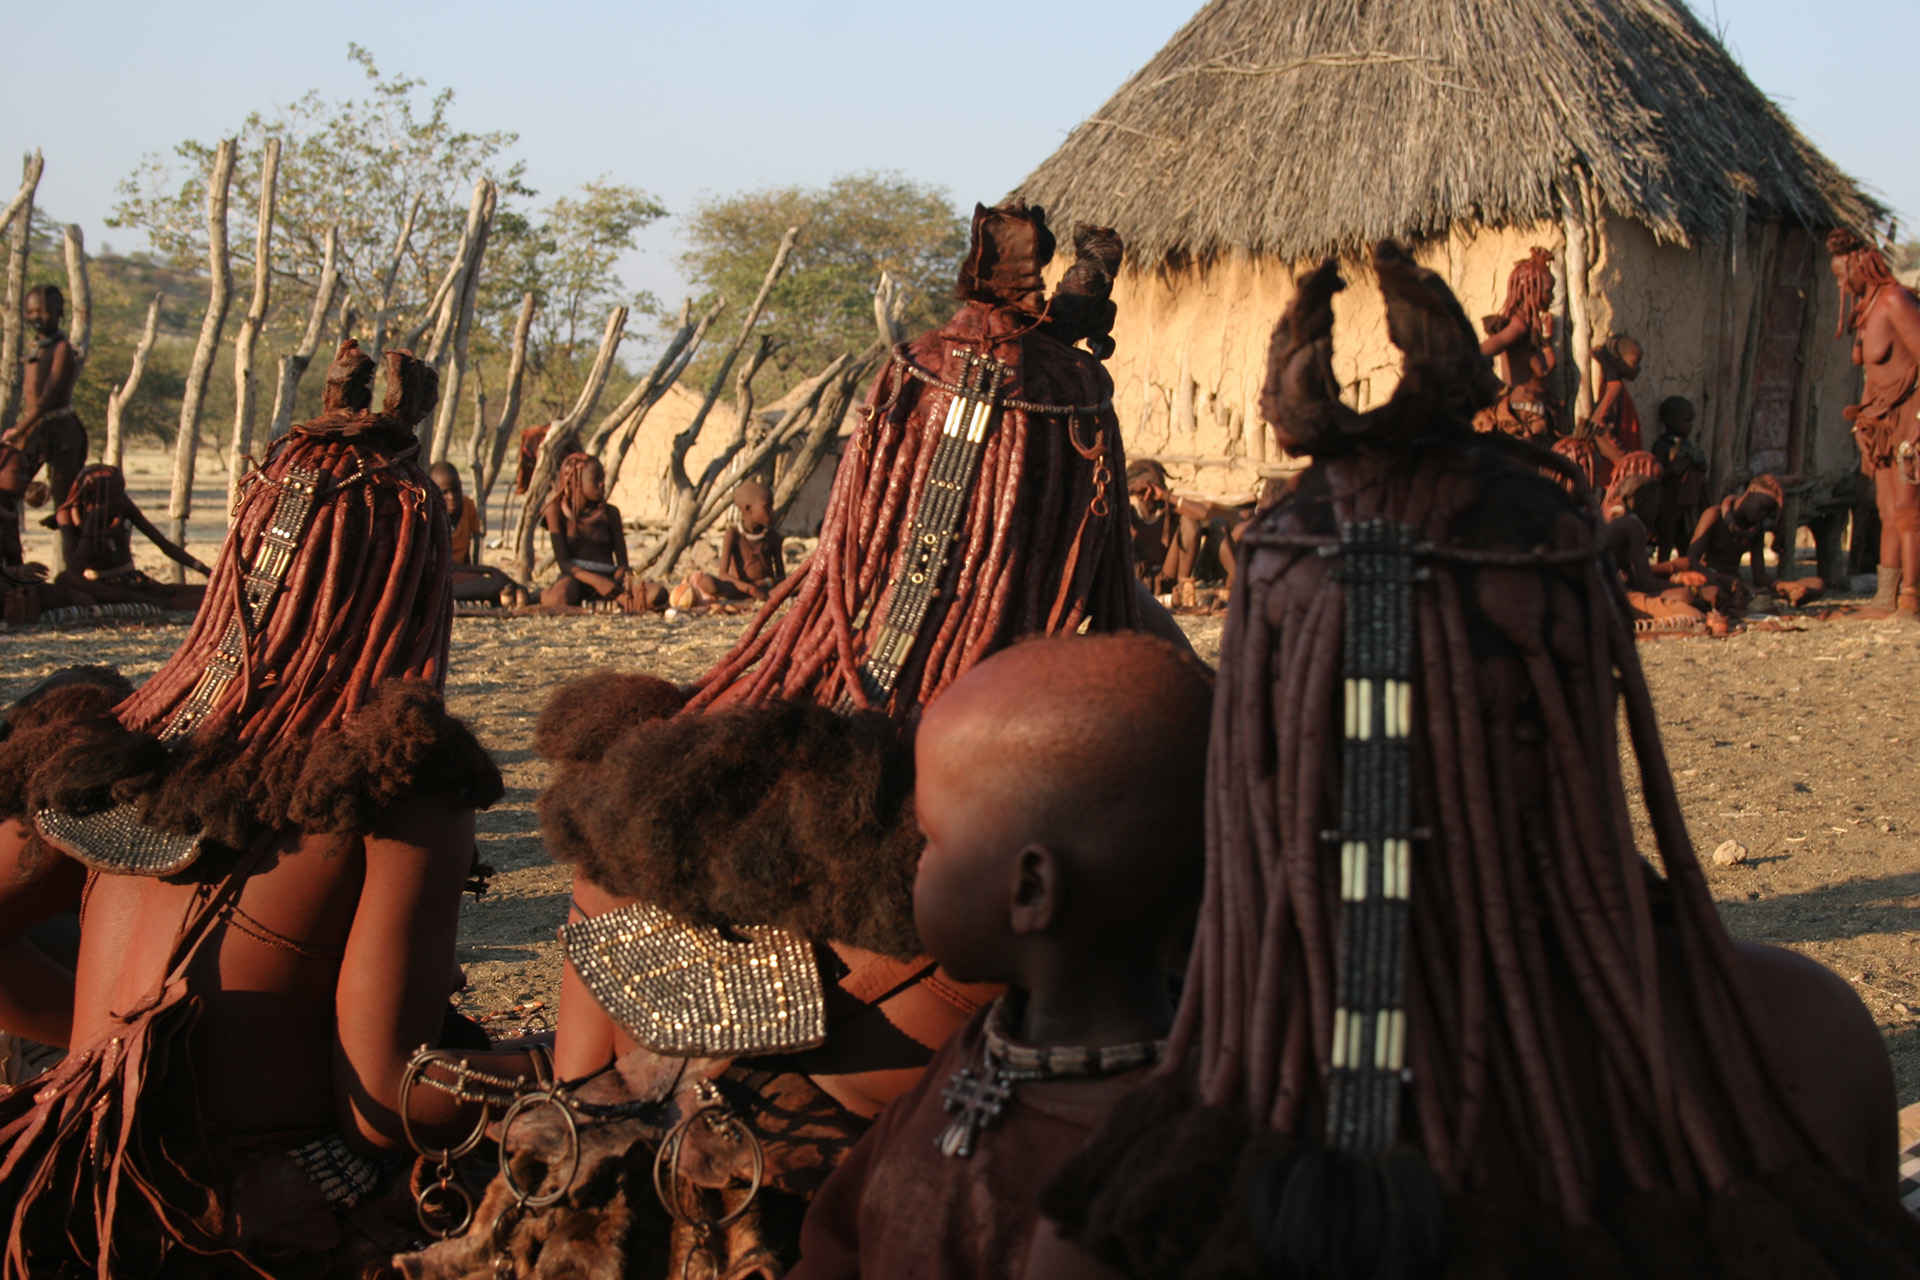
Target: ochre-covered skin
1884,319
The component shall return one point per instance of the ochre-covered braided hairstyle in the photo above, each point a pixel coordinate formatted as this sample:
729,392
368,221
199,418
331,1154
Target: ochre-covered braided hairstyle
1554,1124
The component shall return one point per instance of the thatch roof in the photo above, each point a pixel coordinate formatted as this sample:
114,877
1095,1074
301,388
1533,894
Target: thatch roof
1298,127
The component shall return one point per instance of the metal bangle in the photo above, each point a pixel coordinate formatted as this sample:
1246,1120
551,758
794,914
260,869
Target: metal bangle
666,1168
546,1097
416,1069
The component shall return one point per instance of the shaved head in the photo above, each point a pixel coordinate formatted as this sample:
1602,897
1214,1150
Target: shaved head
1094,748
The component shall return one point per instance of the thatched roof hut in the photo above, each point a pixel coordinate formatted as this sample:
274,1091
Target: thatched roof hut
1677,199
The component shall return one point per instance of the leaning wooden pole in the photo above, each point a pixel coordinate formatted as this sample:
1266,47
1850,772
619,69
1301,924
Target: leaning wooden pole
186,445
79,297
383,310
117,398
294,367
509,410
454,365
246,385
1578,227
13,331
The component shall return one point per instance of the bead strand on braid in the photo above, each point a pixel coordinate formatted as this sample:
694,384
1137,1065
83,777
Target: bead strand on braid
1039,549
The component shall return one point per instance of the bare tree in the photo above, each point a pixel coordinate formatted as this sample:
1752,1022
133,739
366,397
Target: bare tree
118,398
186,446
13,323
79,298
563,432
246,387
294,367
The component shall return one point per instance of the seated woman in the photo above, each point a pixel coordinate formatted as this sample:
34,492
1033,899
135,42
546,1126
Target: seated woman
589,543
25,593
1735,529
471,579
1630,507
96,525
267,845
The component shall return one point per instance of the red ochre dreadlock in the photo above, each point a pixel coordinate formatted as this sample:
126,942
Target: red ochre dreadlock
97,499
1043,547
1565,1132
368,596
335,713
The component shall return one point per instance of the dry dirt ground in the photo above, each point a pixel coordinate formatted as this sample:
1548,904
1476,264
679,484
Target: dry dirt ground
1797,744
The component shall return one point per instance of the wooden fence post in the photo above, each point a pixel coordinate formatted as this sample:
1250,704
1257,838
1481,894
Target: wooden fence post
117,398
246,387
79,298
454,356
383,311
13,324
294,367
186,445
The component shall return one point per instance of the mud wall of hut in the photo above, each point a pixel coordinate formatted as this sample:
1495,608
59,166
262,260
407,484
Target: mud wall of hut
1191,348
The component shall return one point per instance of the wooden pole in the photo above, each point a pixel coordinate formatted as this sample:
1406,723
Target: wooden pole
640,401
79,298
384,311
1578,227
186,445
117,398
455,357
510,411
562,431
13,325
246,387
294,367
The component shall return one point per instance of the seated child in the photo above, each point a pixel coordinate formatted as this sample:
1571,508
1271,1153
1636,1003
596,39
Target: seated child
1614,413
1683,477
471,579
1060,787
1171,536
752,558
1631,503
96,523
589,544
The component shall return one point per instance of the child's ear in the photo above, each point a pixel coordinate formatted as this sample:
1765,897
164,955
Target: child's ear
1037,886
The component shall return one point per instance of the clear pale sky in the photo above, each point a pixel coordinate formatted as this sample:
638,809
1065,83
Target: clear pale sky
683,100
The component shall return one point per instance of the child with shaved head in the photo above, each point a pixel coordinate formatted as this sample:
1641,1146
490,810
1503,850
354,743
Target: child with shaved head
1059,787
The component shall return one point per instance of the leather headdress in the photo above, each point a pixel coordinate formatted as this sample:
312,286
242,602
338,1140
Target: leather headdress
1010,247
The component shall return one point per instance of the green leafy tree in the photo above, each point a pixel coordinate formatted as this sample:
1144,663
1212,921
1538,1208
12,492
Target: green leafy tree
853,229
568,259
358,162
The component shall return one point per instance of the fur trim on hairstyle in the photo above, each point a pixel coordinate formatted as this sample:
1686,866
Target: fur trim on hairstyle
584,717
780,813
401,745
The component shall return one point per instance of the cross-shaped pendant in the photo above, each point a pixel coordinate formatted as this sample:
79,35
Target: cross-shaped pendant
976,1099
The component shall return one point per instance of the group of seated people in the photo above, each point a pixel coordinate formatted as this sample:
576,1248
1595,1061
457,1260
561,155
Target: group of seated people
925,935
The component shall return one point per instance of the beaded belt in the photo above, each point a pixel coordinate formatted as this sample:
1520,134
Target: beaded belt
970,414
115,841
1375,838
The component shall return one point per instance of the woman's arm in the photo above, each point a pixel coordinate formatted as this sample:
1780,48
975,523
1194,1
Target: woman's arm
585,1038
138,519
36,994
399,965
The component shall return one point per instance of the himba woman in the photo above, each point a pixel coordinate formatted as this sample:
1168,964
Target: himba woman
1443,1018
267,843
589,543
981,501
1521,335
96,524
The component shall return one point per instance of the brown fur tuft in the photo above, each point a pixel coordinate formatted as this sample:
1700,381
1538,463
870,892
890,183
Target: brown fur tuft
781,813
584,717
